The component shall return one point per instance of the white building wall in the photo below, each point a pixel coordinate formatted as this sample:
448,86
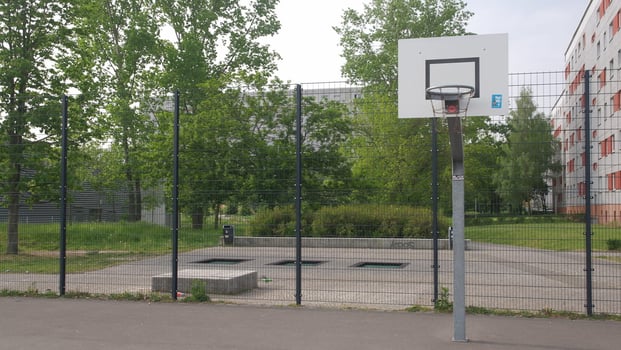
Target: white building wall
596,47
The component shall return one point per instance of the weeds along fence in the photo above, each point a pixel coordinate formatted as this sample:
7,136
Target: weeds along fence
326,196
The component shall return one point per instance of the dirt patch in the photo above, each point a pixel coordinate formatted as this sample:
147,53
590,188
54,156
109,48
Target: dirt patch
52,253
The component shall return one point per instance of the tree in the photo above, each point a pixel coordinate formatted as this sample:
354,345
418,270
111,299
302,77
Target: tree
116,61
528,155
369,39
34,36
483,140
326,127
393,154
217,44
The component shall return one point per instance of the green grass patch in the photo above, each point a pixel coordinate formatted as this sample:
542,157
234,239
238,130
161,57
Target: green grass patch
610,258
559,236
95,245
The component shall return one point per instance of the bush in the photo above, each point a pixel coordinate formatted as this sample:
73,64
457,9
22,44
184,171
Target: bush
365,220
370,220
614,244
275,222
198,292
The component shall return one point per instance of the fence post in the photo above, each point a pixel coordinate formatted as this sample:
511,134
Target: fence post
175,200
63,198
587,207
298,194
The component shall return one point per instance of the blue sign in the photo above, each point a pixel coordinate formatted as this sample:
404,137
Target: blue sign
496,101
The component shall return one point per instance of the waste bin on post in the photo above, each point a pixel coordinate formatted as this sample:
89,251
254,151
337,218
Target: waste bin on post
228,234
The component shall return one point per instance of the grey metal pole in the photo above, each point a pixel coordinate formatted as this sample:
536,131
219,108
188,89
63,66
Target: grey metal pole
434,204
459,261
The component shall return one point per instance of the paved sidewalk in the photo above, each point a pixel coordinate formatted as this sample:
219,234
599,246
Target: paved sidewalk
51,324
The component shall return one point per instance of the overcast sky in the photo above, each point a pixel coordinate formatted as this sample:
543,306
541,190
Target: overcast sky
539,33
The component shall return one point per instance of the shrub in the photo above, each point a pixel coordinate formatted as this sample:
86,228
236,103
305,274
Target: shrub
363,220
198,292
275,222
369,220
614,244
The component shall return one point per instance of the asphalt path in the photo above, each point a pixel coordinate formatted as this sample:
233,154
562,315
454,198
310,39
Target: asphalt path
55,324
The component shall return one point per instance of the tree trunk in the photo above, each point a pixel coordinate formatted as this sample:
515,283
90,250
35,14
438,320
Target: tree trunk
12,246
13,193
197,218
136,207
216,218
133,186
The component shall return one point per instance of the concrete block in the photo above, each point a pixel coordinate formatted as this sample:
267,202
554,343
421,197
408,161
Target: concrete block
217,281
321,242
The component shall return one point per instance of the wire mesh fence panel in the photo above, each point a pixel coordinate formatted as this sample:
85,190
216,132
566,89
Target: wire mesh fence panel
523,252
366,224
605,167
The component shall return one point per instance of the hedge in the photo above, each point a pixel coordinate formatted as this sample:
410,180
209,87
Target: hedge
364,220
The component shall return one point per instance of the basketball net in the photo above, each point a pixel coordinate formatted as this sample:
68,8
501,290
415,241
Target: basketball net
450,100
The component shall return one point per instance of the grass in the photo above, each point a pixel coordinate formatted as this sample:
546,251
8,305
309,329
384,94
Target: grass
92,246
558,236
544,313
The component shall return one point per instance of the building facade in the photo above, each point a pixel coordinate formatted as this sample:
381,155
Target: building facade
594,48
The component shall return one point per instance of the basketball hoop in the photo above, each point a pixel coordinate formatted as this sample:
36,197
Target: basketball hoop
450,100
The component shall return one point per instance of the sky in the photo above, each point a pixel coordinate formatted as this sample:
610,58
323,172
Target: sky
539,33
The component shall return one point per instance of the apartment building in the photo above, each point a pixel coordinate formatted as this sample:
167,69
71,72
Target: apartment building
595,47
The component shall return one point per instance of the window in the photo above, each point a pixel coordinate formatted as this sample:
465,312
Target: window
571,166
565,145
581,189
606,146
583,40
601,78
611,68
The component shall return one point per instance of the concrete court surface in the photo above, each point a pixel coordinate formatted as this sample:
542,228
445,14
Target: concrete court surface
51,324
502,277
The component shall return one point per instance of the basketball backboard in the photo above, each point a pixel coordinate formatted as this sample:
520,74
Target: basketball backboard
480,61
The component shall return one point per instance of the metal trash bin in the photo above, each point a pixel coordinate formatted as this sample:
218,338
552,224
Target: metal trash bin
228,234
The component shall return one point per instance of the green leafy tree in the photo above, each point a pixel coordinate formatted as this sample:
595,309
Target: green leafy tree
326,127
393,155
394,158
217,44
34,37
369,38
528,156
483,140
115,64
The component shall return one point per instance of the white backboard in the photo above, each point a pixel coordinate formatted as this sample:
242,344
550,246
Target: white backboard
480,61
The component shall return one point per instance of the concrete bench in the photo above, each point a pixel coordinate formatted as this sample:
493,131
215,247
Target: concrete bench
217,281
